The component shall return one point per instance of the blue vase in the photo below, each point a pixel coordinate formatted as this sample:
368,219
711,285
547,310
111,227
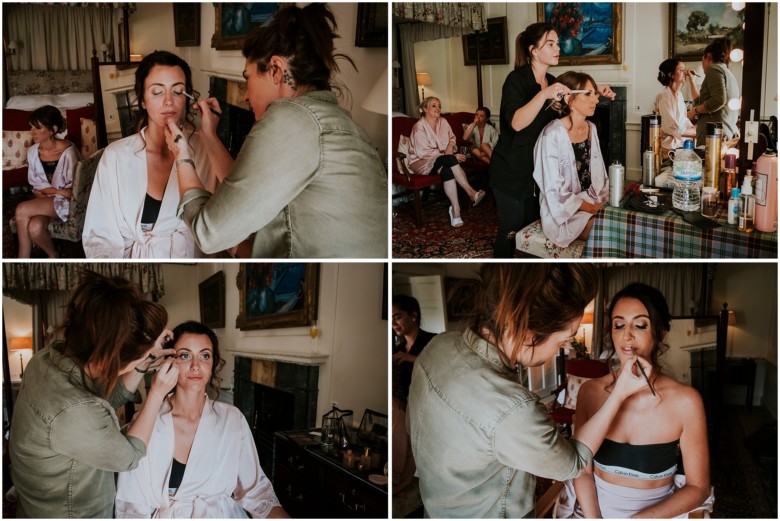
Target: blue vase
567,44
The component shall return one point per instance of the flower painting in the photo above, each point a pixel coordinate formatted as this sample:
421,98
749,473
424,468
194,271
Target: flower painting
588,32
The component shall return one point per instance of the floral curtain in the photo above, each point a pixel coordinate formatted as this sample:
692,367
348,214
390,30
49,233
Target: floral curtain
27,277
469,16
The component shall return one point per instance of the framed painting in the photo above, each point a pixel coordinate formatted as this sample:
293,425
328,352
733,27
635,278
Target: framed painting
277,295
233,22
692,26
493,46
589,33
211,293
186,24
461,297
371,29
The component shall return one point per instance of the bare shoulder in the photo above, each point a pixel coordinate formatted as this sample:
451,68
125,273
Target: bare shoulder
679,394
593,392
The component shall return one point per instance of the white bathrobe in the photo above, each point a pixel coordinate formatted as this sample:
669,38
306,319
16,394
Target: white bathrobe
555,172
112,226
222,479
62,178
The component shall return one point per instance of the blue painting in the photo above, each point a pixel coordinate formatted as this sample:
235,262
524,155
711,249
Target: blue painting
239,19
274,288
588,32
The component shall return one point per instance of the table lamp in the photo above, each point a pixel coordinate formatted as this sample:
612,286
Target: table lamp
424,80
376,101
21,345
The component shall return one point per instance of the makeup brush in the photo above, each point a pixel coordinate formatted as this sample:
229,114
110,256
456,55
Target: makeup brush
641,370
193,98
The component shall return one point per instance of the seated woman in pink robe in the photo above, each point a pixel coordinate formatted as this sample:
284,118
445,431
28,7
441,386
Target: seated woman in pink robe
201,461
432,151
568,167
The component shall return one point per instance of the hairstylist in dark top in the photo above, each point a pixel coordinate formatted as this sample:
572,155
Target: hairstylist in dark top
523,116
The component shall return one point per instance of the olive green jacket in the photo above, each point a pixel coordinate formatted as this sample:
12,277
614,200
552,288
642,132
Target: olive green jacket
65,443
307,180
479,436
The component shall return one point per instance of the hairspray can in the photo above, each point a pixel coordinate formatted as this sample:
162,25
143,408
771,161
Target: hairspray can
616,176
655,142
648,167
712,154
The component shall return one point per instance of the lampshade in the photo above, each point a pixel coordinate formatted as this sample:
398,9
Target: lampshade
12,45
587,318
20,342
424,79
732,318
103,47
376,101
136,57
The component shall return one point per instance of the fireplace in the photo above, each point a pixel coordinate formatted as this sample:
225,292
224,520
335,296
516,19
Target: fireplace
610,121
275,396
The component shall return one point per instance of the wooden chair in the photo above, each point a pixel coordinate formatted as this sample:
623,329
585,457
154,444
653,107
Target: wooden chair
577,373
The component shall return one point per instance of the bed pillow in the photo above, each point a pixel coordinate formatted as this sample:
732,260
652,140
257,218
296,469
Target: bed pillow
573,385
88,138
73,119
15,119
15,145
61,101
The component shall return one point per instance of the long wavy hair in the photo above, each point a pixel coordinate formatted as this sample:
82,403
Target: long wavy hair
217,363
575,81
527,39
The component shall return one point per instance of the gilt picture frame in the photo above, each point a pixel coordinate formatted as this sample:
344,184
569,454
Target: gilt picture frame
234,21
277,295
589,33
692,26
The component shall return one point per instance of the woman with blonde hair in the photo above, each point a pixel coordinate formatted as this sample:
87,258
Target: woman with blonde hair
433,151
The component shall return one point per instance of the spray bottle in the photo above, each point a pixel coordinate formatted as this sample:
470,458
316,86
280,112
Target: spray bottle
747,204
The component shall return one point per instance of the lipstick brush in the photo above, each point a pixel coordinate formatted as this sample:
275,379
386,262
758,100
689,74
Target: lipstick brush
641,370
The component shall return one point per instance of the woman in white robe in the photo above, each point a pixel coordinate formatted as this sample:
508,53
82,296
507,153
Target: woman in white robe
573,187
221,476
132,209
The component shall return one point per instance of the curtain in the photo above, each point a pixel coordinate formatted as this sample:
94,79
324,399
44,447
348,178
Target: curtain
21,280
438,21
681,284
59,36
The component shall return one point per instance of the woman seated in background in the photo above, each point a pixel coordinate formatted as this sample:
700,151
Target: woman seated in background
633,473
483,135
409,341
51,165
569,168
307,182
432,151
670,105
201,461
718,87
132,206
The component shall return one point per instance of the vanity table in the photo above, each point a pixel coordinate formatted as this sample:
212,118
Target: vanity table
312,483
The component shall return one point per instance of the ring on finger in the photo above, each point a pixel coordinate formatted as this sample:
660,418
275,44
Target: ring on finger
178,138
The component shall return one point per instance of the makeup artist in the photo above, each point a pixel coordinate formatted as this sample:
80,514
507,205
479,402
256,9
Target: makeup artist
479,435
524,96
65,442
307,182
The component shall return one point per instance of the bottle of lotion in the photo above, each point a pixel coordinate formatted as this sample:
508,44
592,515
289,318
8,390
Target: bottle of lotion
733,212
746,205
766,192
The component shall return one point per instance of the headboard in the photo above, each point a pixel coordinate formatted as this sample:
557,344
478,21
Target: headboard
22,83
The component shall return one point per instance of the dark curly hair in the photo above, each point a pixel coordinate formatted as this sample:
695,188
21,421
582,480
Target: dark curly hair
719,49
575,81
658,311
304,36
666,70
217,363
166,59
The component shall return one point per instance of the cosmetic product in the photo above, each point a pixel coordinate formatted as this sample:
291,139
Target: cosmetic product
712,144
193,98
766,191
642,371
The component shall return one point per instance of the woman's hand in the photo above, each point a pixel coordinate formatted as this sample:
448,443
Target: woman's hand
165,379
606,92
177,141
401,357
208,120
592,208
692,114
556,91
158,350
461,158
630,379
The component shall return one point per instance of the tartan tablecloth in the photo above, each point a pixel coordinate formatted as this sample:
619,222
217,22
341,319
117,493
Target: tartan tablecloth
625,234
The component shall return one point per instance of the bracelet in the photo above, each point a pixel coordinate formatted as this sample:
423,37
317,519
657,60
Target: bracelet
180,161
144,371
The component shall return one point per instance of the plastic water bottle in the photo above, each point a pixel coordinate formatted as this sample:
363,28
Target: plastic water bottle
687,170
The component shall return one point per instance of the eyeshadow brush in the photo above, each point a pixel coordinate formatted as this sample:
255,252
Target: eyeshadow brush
193,98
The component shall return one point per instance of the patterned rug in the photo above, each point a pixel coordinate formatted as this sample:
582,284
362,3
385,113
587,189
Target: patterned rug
436,238
66,249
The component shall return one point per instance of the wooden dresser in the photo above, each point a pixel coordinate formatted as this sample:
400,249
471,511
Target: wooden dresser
313,484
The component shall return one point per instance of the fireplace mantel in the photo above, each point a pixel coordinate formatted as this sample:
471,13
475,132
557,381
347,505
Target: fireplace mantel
292,358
